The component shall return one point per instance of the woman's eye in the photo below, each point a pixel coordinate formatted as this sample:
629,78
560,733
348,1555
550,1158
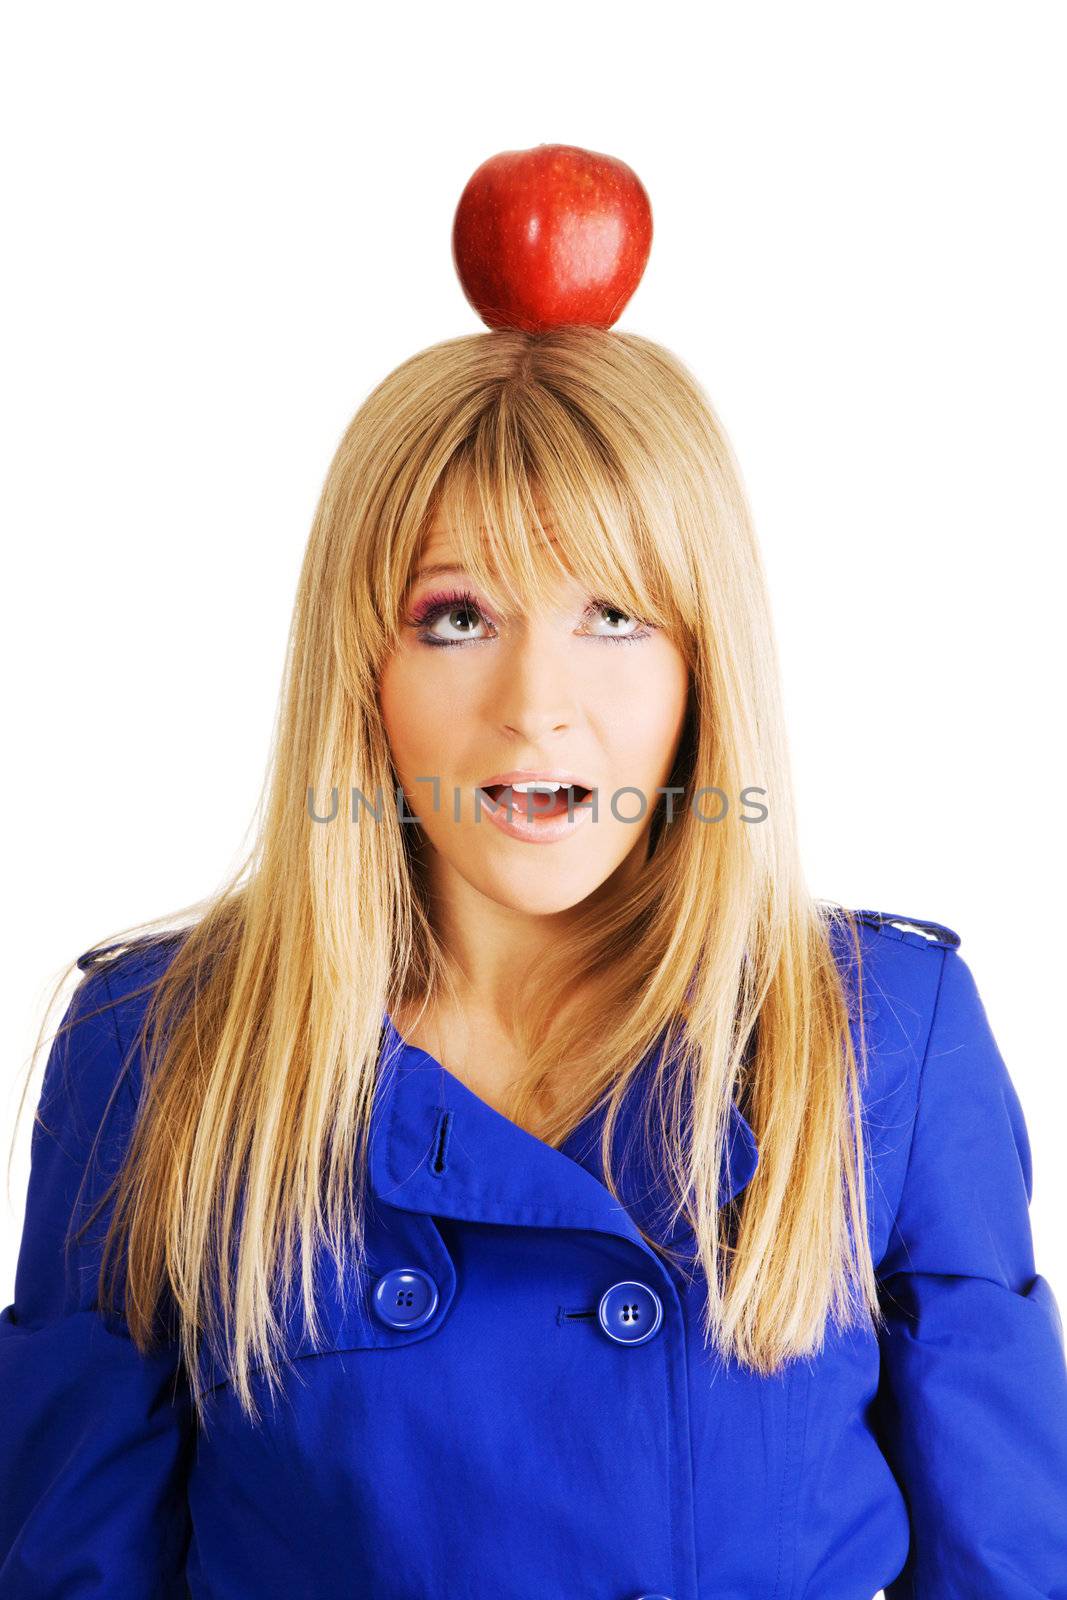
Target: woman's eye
621,625
444,612
460,617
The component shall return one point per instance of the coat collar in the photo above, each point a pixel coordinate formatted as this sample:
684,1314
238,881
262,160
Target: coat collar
437,1147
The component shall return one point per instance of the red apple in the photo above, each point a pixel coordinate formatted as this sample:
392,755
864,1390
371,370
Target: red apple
551,236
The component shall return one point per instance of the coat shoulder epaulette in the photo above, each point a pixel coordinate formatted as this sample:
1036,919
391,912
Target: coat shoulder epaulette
911,930
102,954
98,955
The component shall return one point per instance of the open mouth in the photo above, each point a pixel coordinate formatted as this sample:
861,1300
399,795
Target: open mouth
535,801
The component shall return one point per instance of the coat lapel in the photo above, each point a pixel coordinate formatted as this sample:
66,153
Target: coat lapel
437,1147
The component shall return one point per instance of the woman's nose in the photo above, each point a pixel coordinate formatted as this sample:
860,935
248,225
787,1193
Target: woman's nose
536,684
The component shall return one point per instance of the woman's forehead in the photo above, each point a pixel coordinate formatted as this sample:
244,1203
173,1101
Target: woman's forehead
441,554
536,554
440,548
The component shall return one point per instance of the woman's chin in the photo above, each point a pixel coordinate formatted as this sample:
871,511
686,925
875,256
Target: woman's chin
535,889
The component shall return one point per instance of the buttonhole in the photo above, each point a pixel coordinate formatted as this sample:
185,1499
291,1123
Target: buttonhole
439,1162
565,1316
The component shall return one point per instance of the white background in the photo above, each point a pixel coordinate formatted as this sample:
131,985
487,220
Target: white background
225,224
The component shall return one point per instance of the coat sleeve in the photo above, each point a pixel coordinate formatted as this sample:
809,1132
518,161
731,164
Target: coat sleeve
94,1436
972,1402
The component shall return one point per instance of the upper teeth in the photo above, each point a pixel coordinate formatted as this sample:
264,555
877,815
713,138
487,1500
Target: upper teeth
543,783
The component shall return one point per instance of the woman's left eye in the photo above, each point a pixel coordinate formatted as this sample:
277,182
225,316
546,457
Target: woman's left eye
640,630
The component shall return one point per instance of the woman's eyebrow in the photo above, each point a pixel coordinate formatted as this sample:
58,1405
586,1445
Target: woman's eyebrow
436,569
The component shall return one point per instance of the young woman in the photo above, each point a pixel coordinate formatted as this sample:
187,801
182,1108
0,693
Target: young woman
503,1193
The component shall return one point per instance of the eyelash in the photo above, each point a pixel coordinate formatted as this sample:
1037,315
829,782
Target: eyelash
437,605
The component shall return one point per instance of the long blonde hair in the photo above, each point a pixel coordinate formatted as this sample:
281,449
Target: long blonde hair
260,1039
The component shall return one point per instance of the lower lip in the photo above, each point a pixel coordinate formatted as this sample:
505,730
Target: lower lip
535,829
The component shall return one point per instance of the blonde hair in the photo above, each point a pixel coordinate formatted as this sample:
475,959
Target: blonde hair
261,1038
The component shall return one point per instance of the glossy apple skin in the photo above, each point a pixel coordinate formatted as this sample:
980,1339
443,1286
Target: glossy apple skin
551,236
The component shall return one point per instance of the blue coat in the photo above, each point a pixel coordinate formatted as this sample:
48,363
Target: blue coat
521,1406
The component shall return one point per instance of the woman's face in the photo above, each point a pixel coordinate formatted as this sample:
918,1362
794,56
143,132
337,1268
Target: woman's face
574,690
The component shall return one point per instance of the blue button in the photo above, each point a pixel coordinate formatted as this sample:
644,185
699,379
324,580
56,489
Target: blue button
406,1297
630,1312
